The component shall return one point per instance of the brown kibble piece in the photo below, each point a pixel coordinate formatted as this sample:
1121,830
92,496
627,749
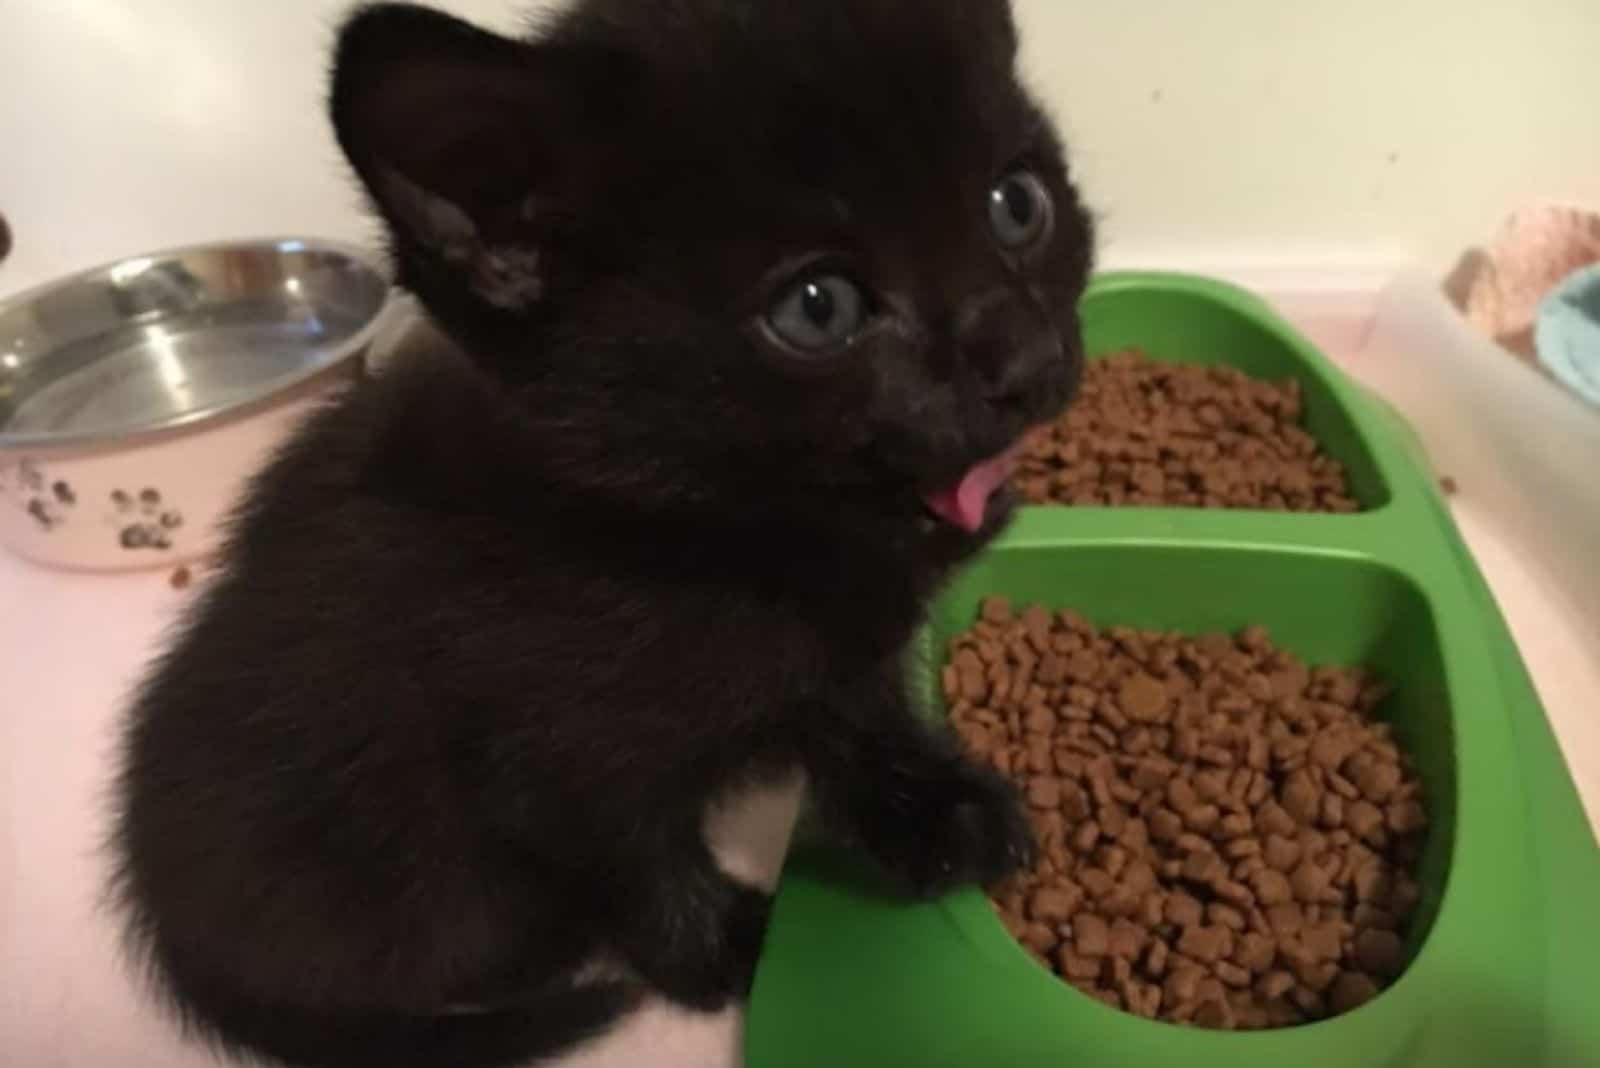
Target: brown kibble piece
1090,935
1309,881
1321,941
1077,966
1272,887
1052,903
1406,817
1127,938
1040,937
1351,990
1380,952
1231,974
1183,910
1201,867
1216,1015
1364,819
1044,791
1286,919
1274,985
1165,824
1206,944
1155,958
1142,698
1301,798
1183,983
1272,818
1377,779
1254,951
996,610
1281,854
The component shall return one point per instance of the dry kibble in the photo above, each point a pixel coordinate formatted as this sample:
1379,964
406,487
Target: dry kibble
1044,791
1301,798
1227,838
1271,887
1406,817
1364,819
1254,951
1155,959
1281,854
1142,698
1321,941
1232,974
1148,432
1274,985
1351,990
1097,882
1285,920
1183,910
1380,952
1090,936
1377,779
1215,1014
1206,944
995,610
1201,867
1052,903
1309,881
1127,938
1040,937
1183,983
1075,966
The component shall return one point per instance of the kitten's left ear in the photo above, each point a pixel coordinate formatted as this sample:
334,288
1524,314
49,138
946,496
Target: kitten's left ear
990,27
464,139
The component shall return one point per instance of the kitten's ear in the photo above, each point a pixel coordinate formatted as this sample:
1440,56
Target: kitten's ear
461,138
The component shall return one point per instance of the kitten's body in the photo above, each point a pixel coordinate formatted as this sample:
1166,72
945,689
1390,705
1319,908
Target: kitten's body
425,779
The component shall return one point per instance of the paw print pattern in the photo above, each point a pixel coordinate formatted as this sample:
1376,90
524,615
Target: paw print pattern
48,501
143,520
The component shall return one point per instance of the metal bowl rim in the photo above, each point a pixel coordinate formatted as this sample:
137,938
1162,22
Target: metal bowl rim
352,346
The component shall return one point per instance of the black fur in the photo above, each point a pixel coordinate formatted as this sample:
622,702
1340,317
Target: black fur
496,629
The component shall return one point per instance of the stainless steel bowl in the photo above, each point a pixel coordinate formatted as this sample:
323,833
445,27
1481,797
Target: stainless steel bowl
158,342
138,356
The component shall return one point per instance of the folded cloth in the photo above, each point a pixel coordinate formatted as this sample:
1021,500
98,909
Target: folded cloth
1567,333
1499,288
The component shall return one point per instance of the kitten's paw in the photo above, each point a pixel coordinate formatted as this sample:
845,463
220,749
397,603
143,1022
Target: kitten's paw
705,956
965,827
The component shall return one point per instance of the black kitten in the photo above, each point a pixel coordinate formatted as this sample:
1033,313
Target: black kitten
755,297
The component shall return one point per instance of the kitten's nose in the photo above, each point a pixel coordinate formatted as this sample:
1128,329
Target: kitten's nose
1004,344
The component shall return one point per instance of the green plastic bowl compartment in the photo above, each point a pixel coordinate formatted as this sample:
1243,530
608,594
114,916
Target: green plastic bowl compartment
1507,935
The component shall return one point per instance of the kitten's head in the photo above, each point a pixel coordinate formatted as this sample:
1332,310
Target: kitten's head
802,257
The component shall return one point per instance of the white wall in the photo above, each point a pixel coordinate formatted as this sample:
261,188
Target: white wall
1228,131
1354,130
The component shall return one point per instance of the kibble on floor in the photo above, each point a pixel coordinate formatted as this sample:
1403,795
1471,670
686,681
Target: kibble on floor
1228,838
1143,432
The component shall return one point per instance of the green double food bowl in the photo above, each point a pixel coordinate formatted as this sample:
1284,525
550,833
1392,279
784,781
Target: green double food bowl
1506,941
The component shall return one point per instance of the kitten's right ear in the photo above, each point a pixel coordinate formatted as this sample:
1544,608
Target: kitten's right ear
461,136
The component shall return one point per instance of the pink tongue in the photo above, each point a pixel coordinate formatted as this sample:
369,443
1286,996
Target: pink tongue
965,503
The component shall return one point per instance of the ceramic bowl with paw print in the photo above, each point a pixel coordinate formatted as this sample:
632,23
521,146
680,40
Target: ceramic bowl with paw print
136,398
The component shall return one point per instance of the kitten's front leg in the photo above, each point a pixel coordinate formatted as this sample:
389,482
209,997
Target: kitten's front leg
903,792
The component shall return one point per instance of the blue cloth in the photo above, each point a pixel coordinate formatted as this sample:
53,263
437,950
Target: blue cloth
1567,332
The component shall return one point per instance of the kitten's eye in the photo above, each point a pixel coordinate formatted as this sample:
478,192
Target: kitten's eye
817,314
1020,210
